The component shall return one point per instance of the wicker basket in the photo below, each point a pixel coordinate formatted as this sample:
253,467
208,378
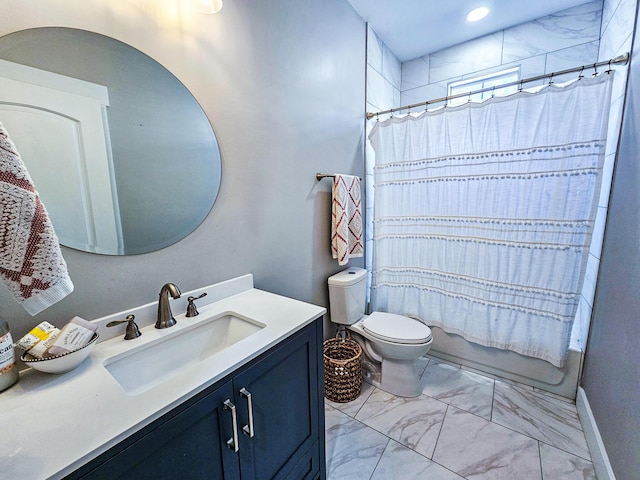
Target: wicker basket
342,369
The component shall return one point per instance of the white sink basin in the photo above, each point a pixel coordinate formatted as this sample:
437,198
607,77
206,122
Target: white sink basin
142,368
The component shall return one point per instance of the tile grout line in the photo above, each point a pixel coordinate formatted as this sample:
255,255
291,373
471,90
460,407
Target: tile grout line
493,400
543,441
435,447
540,460
540,441
380,458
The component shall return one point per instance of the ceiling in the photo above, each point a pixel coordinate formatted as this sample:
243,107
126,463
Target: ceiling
413,28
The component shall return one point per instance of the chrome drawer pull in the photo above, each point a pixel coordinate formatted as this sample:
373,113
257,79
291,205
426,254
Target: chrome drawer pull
248,429
232,443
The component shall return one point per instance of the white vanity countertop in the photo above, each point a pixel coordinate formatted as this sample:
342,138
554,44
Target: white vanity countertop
53,424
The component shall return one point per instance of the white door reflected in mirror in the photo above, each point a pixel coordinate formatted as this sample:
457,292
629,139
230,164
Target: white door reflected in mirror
61,121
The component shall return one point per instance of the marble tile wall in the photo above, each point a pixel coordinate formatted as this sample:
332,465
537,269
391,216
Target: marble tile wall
618,18
383,93
383,74
559,31
562,40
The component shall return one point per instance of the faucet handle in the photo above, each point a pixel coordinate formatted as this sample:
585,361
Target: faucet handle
132,329
192,311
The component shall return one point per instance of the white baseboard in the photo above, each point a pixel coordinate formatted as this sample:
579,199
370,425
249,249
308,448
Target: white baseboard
599,455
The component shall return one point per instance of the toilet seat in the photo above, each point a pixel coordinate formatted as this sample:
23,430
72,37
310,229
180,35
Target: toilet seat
396,328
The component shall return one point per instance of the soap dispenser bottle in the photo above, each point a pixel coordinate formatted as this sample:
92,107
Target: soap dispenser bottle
8,367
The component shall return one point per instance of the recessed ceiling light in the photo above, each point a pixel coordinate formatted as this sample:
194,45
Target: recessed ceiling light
477,14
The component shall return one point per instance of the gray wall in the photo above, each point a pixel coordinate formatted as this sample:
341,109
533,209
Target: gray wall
282,82
611,375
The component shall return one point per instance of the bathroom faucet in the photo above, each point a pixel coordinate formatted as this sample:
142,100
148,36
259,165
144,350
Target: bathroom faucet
165,317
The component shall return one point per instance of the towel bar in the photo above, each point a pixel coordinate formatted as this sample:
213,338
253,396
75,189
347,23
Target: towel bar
320,176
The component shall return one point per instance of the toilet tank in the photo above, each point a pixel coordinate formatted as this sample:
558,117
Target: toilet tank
347,295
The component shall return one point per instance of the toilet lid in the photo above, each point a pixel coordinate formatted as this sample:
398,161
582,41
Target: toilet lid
396,328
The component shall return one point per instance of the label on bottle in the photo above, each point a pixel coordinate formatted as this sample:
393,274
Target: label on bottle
7,359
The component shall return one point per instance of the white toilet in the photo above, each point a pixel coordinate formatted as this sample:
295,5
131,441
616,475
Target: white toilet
391,343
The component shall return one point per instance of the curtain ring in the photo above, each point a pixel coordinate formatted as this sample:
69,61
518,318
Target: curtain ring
378,117
609,67
551,79
580,76
520,87
595,70
493,91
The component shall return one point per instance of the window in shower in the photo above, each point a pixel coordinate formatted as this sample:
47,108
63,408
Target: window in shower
491,81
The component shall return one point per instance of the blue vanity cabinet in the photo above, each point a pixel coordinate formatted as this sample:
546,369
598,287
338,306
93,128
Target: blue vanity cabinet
279,408
188,442
285,409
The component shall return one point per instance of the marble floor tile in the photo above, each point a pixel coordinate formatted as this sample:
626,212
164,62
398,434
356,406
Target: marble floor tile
353,449
559,464
478,449
547,419
463,389
421,365
351,408
532,435
399,461
414,422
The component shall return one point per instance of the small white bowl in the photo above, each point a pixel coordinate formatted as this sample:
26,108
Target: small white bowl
60,363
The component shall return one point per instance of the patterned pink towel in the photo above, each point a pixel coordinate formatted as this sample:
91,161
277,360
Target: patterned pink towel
346,213
31,263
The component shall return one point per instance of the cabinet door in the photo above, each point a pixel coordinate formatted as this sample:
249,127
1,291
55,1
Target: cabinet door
284,399
190,444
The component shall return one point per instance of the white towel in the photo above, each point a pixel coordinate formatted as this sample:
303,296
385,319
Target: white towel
31,263
346,213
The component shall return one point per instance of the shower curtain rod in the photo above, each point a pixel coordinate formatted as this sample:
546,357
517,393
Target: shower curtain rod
619,60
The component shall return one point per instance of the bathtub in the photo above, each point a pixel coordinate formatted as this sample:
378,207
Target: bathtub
510,365
513,366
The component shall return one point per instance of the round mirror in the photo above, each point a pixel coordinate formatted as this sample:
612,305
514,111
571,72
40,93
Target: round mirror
123,157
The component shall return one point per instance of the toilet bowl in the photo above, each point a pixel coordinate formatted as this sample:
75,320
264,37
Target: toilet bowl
391,343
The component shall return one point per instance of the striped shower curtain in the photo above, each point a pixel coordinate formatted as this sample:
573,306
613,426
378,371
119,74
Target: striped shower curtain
483,214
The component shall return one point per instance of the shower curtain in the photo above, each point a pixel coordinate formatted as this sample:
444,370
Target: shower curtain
483,214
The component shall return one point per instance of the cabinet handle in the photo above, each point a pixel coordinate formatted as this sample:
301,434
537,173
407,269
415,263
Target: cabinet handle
248,429
232,443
